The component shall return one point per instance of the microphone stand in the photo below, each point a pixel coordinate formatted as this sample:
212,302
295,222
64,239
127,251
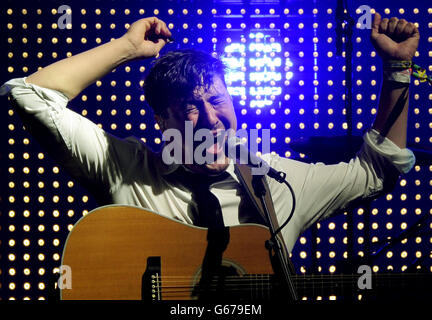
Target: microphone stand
343,16
346,31
273,244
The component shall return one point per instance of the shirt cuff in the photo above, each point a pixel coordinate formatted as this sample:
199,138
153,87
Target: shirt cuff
402,159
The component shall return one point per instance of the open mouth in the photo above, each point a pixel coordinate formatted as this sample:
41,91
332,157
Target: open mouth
219,141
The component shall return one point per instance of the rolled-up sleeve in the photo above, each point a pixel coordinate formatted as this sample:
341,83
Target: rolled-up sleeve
402,159
87,152
322,190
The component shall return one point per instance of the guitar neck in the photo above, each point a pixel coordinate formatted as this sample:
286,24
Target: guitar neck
358,286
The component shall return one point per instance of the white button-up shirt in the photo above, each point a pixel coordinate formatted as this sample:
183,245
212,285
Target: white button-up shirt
125,171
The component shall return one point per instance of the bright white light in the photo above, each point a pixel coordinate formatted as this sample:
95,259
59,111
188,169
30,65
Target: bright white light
289,75
260,103
237,91
265,76
258,35
261,62
234,76
265,91
265,62
234,63
235,47
265,47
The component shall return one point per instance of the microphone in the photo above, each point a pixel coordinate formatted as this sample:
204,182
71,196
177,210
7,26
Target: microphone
237,150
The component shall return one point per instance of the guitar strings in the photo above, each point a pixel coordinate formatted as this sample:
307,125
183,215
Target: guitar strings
300,281
300,277
262,286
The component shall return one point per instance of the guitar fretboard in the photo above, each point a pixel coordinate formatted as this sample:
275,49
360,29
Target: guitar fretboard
321,286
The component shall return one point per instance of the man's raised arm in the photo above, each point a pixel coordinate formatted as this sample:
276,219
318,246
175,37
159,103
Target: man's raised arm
144,39
396,42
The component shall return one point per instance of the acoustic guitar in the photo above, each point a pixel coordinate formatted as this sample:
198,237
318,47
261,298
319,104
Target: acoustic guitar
128,253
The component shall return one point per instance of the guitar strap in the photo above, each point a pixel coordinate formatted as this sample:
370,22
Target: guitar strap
244,174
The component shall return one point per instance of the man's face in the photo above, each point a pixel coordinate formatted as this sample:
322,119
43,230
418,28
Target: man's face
209,109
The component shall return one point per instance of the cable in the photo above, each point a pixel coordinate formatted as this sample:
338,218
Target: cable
281,178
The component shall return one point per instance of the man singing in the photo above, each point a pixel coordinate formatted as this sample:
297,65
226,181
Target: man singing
188,88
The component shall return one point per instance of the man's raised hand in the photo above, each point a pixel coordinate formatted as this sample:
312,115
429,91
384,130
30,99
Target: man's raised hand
394,39
147,37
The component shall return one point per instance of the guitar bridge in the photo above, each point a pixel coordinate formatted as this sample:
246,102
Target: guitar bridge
151,288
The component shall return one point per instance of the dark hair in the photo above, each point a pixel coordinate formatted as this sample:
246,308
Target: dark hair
175,76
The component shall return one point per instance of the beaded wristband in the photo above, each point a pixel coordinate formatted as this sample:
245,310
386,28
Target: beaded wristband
397,71
397,65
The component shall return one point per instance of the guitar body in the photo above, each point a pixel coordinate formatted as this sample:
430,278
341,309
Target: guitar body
124,252
108,250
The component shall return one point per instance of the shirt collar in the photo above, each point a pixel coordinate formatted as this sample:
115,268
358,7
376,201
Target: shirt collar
168,169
